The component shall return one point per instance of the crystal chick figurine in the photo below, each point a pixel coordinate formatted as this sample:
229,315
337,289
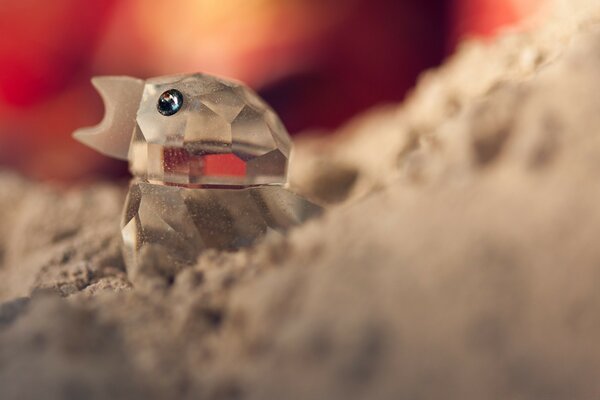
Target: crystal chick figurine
209,160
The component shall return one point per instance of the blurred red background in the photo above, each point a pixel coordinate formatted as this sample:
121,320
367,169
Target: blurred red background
318,62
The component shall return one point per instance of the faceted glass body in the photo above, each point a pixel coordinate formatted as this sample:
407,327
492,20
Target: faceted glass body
210,164
178,223
223,134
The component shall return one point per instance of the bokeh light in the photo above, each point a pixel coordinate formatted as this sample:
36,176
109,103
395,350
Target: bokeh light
318,62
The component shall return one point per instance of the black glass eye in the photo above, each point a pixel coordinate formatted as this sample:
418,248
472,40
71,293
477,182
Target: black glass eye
170,102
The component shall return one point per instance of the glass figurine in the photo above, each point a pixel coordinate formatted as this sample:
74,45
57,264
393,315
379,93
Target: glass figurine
209,160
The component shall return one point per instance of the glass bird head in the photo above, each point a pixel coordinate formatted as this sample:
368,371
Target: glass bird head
190,130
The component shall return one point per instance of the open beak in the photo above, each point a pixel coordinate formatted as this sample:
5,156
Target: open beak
112,136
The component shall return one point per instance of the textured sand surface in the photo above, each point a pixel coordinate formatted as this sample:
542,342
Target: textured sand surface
459,259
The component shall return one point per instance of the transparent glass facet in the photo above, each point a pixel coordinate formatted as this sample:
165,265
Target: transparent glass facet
181,222
224,134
